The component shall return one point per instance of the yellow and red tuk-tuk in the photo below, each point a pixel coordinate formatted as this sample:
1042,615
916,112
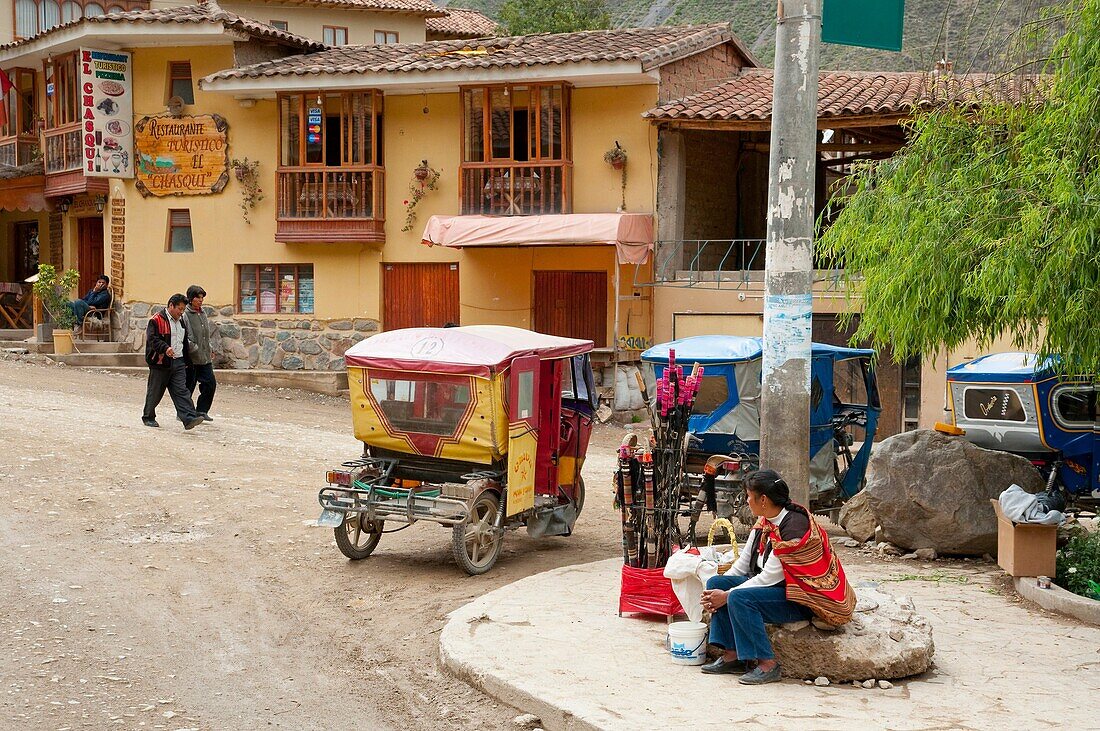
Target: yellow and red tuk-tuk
482,428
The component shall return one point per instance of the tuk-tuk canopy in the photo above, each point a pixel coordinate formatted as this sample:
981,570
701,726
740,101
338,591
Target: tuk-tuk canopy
1012,367
474,350
713,349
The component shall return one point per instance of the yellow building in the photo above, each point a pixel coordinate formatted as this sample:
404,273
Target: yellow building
342,142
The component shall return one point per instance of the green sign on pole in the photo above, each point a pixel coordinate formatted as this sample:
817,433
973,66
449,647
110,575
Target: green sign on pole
867,23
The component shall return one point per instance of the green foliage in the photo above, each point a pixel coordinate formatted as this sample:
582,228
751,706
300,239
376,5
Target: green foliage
54,291
1079,566
987,222
522,17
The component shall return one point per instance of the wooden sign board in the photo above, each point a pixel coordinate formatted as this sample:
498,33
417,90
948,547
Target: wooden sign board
181,155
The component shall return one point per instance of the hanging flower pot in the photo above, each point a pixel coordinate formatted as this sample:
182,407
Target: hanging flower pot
422,171
618,163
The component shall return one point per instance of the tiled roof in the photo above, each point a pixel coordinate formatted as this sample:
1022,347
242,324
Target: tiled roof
185,15
462,23
748,97
652,47
417,7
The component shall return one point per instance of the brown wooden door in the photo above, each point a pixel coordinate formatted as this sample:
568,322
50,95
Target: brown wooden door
89,257
572,305
419,295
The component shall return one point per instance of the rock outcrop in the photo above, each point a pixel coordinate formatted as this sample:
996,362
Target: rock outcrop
929,490
857,519
885,639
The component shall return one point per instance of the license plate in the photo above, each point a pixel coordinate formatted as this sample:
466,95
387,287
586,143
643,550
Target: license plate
330,519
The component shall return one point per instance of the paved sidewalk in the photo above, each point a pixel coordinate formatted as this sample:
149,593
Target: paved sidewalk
553,645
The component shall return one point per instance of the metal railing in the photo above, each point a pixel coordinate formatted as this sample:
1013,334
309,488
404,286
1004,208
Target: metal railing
517,189
63,149
718,262
330,193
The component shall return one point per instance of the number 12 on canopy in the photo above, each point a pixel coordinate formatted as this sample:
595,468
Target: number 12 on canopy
866,23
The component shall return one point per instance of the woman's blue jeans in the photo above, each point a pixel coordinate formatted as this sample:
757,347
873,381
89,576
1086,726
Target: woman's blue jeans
739,625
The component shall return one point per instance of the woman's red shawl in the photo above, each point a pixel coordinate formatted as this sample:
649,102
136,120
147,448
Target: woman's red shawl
814,575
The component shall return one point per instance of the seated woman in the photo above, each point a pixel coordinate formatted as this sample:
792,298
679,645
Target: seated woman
755,590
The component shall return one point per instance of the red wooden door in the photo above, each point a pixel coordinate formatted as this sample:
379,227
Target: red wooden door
572,305
89,257
419,295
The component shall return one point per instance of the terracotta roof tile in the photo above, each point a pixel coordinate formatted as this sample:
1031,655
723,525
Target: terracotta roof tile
185,15
748,96
651,47
417,7
462,23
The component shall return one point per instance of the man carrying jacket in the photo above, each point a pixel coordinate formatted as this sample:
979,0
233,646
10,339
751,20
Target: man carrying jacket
200,369
166,354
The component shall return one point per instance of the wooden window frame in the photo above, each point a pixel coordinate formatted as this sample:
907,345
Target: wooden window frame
334,29
54,103
16,116
280,24
280,269
305,98
535,156
126,5
172,227
173,67
385,34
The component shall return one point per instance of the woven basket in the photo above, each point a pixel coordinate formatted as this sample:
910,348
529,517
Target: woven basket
723,523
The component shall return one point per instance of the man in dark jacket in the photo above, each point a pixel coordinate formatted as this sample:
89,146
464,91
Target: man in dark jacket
98,298
166,354
200,366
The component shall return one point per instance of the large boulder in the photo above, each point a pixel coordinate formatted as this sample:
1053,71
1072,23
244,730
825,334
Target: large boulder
885,639
930,490
857,519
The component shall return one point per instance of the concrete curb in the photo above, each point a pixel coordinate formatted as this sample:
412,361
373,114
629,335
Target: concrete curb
1057,599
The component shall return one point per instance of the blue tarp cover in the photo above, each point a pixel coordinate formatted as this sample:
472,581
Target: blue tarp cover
704,349
1014,367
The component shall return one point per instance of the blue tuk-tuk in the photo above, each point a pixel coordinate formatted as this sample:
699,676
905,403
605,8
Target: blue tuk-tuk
1013,403
726,419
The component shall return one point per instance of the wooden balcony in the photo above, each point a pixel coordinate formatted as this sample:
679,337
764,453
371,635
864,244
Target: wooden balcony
16,151
331,205
517,189
64,158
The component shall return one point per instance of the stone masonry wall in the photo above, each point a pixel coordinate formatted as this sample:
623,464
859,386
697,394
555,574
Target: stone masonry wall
696,73
260,341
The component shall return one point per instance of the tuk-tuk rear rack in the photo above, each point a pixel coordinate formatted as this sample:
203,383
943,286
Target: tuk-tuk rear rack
409,508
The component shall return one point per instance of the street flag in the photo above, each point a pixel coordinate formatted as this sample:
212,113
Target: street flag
5,88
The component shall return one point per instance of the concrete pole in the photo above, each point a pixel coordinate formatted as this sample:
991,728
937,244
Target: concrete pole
788,278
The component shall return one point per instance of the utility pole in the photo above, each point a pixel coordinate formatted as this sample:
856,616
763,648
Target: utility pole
788,278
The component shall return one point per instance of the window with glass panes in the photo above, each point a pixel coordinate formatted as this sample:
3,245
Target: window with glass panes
36,16
275,288
180,240
382,37
516,123
331,129
21,104
179,81
280,24
62,92
335,35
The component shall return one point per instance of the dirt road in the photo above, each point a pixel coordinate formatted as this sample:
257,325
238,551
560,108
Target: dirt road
157,578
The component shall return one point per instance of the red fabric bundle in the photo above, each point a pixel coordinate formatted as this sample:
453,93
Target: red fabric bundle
647,591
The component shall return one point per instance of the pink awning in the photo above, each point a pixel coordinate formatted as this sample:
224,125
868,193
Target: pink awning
630,233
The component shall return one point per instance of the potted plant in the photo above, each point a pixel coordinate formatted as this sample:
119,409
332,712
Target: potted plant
422,171
616,156
425,178
53,290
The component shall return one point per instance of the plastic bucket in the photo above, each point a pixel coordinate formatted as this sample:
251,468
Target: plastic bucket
687,643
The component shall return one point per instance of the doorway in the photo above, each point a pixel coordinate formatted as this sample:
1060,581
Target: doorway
89,255
571,305
25,235
419,295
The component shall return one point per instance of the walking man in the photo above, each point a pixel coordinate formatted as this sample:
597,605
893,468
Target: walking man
166,354
200,369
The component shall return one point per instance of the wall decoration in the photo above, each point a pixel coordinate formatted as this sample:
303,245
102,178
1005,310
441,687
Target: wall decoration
425,178
107,110
182,155
248,175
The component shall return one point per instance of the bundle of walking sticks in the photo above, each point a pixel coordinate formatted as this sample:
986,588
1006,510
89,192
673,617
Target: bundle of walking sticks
650,476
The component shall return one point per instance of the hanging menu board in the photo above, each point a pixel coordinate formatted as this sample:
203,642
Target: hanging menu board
107,113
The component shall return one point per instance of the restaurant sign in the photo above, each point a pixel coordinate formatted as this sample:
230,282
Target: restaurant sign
182,155
106,113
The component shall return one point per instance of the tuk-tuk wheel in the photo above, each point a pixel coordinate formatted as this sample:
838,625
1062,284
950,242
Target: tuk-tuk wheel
476,543
357,537
580,495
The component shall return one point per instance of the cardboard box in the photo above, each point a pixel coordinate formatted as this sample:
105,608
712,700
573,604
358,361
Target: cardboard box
1024,549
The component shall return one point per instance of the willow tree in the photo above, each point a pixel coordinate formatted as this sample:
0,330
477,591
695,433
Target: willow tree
987,222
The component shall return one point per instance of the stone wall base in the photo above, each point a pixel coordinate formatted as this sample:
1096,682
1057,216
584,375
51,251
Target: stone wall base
261,341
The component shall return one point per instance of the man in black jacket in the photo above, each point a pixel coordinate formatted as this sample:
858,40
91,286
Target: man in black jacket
98,298
166,354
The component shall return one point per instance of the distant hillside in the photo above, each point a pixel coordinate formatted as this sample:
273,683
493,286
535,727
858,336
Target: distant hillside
977,34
